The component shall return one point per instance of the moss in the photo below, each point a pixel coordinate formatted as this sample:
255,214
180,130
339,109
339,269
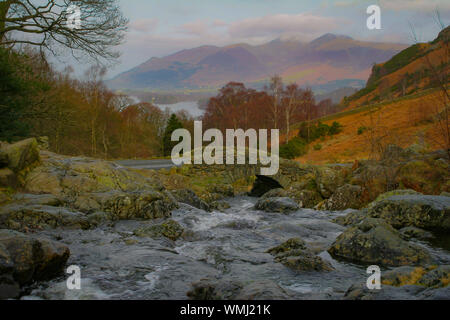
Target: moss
425,176
408,279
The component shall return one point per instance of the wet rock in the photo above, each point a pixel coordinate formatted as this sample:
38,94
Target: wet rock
263,290
305,198
189,197
120,205
373,241
426,212
351,218
328,180
360,291
416,233
407,283
295,255
346,197
219,205
169,229
21,217
24,259
275,193
207,289
226,190
389,194
281,205
263,185
436,277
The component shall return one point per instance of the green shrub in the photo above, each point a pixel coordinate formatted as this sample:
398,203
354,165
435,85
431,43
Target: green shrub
318,147
361,130
294,148
335,128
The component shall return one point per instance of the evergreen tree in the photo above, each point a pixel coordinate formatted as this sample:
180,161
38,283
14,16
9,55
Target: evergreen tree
172,124
14,93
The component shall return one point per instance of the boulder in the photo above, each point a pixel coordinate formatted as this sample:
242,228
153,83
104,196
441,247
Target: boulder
305,198
421,211
169,229
328,180
416,233
24,217
407,283
207,289
280,205
219,205
275,193
352,218
43,142
189,197
346,197
263,290
295,255
22,154
373,241
60,175
8,178
386,195
24,259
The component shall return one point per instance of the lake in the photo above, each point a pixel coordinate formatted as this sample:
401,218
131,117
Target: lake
190,106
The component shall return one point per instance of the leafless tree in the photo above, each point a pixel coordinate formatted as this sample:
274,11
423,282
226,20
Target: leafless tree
46,24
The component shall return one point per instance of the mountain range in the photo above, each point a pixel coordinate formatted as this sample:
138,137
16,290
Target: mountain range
327,59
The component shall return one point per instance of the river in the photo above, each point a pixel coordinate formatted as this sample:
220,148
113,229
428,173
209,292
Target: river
226,246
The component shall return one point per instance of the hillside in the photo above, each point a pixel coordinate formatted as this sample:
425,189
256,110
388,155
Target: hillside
416,68
324,60
402,104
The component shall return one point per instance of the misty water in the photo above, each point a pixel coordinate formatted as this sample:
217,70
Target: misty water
189,106
225,246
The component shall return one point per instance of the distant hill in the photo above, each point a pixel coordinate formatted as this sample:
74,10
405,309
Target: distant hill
337,95
412,70
327,59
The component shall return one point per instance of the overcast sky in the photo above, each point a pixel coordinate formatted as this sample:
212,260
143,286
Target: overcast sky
161,27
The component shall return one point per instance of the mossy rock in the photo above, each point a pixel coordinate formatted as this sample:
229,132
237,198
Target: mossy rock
169,229
373,241
386,195
425,176
295,255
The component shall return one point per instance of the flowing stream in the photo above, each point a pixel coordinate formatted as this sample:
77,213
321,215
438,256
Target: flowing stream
228,246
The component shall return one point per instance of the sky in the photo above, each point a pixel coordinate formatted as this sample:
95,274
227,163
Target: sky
161,27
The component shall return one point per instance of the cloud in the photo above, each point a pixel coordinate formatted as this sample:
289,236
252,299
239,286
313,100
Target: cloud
144,25
415,5
195,28
277,25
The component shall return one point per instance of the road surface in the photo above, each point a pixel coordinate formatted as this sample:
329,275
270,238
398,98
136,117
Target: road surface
147,164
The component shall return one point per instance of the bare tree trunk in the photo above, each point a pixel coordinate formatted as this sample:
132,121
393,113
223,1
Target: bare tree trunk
4,8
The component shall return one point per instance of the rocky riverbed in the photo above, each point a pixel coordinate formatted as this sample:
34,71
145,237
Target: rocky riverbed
145,234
